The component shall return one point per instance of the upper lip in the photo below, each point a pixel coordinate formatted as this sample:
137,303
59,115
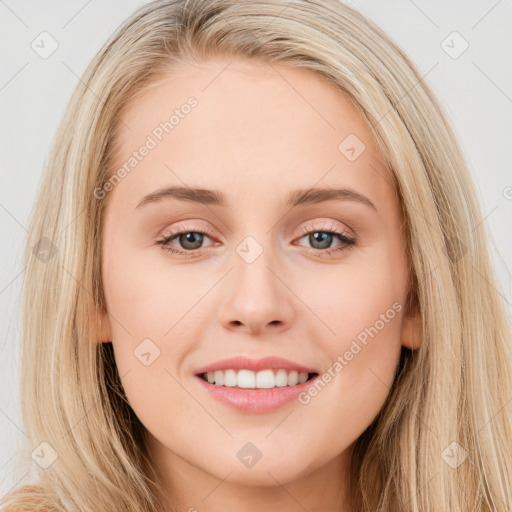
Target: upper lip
241,362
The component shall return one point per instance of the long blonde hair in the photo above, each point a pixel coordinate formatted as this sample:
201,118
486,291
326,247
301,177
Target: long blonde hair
442,441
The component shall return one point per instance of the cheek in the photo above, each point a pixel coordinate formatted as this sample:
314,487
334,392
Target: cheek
356,299
157,318
361,310
149,296
152,326
152,331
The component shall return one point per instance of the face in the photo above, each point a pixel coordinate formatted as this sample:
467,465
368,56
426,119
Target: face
252,267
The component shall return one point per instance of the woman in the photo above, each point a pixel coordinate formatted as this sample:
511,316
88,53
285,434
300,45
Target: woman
366,368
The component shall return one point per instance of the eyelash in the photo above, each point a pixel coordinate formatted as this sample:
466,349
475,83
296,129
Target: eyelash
348,241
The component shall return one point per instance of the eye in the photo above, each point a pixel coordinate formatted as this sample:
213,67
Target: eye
321,239
190,239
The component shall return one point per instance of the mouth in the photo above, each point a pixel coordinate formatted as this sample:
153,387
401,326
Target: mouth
255,385
262,391
264,379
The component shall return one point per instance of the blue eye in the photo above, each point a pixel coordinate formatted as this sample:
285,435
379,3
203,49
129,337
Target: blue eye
324,239
191,241
189,238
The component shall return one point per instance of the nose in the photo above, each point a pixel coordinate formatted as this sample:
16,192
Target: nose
257,299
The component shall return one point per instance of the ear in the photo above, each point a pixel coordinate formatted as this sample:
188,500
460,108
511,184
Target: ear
100,324
412,331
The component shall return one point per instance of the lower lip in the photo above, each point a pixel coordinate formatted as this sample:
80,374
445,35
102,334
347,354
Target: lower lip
255,400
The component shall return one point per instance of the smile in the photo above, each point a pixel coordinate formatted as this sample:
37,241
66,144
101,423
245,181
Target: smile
264,379
253,399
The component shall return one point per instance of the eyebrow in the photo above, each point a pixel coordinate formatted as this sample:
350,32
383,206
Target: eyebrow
217,198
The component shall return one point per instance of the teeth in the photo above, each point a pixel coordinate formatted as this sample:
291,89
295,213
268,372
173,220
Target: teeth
293,378
282,378
230,378
264,379
219,378
246,379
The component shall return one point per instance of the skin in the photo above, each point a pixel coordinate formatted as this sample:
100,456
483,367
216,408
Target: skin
258,133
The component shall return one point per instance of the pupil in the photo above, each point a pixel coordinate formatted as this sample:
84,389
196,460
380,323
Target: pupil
321,235
195,239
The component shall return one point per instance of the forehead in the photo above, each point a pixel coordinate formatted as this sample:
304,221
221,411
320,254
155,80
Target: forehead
255,128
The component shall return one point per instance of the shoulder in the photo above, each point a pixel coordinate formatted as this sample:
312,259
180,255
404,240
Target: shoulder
28,498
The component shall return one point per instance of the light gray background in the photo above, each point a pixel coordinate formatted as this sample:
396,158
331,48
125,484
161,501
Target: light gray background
475,89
